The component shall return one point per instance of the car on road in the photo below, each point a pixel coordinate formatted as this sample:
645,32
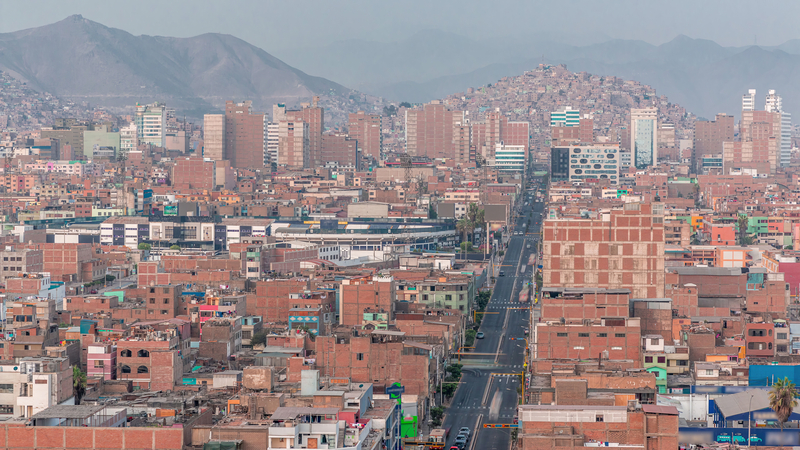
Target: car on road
454,447
479,335
464,430
526,330
461,441
502,274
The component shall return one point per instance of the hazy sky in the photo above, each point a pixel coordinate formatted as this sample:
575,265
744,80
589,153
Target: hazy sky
276,26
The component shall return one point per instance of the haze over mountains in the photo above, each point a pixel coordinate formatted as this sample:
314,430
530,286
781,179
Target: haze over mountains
699,74
80,59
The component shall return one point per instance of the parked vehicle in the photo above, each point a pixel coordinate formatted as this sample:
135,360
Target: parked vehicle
479,335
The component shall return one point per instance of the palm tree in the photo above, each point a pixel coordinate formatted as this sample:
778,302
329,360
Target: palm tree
464,226
783,400
78,383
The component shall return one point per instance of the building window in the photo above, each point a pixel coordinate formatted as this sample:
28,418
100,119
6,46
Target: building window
6,388
561,334
583,334
359,356
598,418
653,341
602,334
125,369
619,335
142,353
125,353
6,409
709,372
662,359
648,359
99,363
142,369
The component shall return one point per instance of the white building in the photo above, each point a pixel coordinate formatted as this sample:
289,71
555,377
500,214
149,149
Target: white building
214,136
749,100
644,136
509,157
774,104
33,385
150,121
565,117
588,163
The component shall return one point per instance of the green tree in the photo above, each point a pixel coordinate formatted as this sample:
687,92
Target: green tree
449,389
78,384
405,105
259,338
144,246
175,247
455,370
110,278
432,214
783,400
466,247
743,237
436,416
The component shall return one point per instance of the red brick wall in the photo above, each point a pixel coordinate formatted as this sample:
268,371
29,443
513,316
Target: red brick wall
69,438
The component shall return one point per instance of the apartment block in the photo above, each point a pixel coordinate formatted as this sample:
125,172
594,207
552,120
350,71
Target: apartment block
366,129
621,250
356,295
615,338
245,139
214,136
150,359
644,136
710,135
433,131
314,117
340,151
192,172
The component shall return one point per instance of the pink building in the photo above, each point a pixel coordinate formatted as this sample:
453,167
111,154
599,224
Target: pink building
101,361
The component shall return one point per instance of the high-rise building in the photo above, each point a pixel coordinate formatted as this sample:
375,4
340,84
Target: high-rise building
567,127
128,138
623,249
434,132
69,132
293,144
271,153
749,100
774,104
497,129
340,150
314,116
101,136
759,146
214,136
559,163
709,136
245,135
592,162
151,122
644,136
509,158
565,117
193,172
366,129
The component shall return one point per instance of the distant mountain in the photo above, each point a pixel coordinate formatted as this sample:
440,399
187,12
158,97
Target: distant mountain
702,75
85,61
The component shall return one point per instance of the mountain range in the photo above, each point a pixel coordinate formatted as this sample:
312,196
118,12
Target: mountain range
82,60
702,75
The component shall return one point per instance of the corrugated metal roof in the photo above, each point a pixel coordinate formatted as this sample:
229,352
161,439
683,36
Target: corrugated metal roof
732,404
671,410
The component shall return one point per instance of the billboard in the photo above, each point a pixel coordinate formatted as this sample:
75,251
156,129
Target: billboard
496,213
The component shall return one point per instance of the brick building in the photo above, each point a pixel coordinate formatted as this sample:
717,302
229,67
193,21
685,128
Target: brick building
589,338
70,262
366,130
340,149
193,172
314,117
150,359
245,142
271,300
220,338
622,250
381,358
709,136
436,132
575,426
356,295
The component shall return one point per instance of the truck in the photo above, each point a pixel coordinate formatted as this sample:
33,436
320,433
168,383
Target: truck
523,296
438,438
